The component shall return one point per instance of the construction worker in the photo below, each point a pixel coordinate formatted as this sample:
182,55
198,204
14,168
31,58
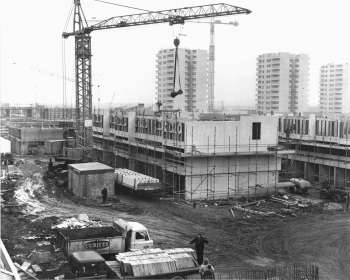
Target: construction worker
50,165
199,241
206,270
104,195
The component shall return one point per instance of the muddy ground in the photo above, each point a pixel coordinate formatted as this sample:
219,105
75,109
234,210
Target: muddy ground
318,237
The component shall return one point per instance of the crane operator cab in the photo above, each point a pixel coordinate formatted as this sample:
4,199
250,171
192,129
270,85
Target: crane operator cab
136,235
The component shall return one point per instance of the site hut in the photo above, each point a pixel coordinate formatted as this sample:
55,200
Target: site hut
87,180
205,158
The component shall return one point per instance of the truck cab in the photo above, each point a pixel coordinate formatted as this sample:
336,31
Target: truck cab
88,265
136,235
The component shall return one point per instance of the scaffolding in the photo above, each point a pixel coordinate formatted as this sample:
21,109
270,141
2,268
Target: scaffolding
208,171
320,157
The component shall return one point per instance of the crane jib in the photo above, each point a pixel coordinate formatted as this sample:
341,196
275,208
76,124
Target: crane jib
81,32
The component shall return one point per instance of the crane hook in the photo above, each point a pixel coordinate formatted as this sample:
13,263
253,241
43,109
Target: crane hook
176,42
175,93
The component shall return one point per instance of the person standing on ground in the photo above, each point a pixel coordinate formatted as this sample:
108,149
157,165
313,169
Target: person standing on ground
50,164
206,270
199,241
104,195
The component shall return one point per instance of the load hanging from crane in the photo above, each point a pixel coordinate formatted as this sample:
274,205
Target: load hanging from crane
81,32
174,92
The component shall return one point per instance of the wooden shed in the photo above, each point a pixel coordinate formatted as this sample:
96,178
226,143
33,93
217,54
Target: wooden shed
88,179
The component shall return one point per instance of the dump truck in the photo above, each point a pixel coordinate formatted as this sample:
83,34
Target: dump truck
119,237
155,263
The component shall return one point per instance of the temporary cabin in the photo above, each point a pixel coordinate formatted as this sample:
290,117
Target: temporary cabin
88,179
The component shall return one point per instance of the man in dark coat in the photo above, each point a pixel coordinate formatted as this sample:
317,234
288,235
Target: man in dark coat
104,195
199,241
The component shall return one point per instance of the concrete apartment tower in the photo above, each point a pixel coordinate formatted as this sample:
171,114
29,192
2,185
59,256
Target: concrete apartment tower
193,69
334,88
282,83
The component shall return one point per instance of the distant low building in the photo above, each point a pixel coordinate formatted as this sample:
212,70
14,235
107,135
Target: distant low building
30,137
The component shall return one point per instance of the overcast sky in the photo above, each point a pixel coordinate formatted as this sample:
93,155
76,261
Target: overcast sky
124,59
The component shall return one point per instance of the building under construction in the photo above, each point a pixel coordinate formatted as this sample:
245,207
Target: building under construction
194,159
322,149
37,129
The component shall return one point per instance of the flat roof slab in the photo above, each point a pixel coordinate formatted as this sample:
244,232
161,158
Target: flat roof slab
91,167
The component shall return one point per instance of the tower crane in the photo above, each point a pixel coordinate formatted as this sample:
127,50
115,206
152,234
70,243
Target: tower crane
82,35
212,59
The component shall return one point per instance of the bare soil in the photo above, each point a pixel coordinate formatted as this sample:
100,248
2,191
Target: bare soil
321,238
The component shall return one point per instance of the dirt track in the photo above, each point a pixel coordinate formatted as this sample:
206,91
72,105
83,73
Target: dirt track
320,238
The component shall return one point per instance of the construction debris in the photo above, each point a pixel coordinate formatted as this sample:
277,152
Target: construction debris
276,205
254,212
25,265
27,273
82,221
41,257
284,201
36,268
258,202
332,206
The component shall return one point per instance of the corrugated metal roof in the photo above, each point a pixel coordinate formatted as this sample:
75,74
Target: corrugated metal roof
91,166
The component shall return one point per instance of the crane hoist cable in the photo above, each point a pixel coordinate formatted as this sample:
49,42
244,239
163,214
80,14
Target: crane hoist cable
174,93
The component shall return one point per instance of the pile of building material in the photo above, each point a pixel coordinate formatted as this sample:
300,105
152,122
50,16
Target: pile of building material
275,205
184,257
254,212
155,261
134,180
82,221
285,200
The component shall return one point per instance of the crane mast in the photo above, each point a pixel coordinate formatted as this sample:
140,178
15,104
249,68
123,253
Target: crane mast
81,32
211,68
83,92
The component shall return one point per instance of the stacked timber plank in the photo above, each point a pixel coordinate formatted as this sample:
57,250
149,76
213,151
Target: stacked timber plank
254,212
184,257
155,261
285,202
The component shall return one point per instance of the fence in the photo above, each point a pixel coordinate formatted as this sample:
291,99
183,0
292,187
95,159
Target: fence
291,272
